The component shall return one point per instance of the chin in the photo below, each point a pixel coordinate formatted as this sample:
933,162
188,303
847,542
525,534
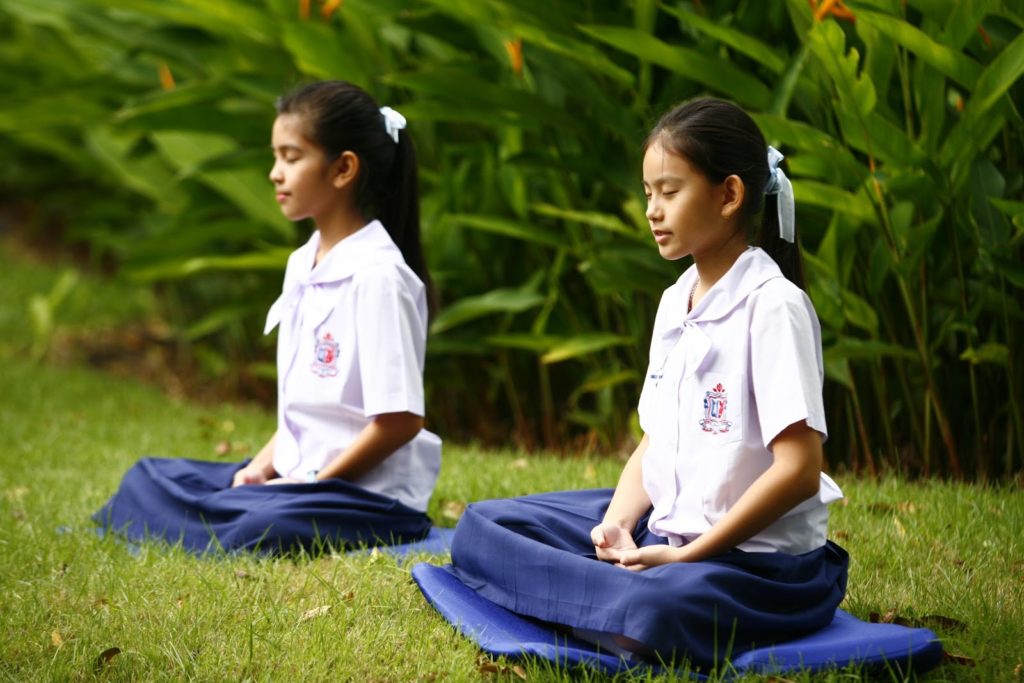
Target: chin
671,254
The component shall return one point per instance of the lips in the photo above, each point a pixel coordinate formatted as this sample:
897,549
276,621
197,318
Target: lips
661,236
282,196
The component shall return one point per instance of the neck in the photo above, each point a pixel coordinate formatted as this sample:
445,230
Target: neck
336,226
711,266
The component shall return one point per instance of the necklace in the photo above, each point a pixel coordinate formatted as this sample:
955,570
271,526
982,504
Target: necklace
689,303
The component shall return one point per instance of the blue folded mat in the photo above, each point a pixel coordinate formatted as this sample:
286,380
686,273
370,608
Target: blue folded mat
437,542
847,640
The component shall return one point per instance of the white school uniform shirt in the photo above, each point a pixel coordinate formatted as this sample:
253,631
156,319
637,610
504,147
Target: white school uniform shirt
724,380
351,346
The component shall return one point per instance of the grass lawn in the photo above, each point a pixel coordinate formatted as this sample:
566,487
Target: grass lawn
67,597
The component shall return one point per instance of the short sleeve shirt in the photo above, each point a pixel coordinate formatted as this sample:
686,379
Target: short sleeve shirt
351,345
723,381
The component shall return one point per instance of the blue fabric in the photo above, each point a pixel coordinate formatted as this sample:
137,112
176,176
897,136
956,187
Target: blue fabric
437,542
533,556
845,641
192,501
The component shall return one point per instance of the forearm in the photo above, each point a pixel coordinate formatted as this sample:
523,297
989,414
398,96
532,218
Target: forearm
630,501
793,477
379,439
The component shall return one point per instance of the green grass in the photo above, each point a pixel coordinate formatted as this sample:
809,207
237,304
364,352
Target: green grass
68,433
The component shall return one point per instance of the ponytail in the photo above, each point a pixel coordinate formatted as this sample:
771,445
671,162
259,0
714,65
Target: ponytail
785,254
399,211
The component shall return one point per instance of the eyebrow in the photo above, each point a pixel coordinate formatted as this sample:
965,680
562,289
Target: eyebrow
657,182
285,148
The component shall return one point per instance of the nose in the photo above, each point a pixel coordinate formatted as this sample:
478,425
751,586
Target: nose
275,175
653,210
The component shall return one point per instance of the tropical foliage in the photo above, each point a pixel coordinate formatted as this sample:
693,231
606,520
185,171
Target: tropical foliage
143,126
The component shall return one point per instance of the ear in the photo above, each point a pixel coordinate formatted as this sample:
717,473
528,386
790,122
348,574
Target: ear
733,194
344,170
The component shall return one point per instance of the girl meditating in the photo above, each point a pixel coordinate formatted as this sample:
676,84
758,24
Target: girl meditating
714,539
350,461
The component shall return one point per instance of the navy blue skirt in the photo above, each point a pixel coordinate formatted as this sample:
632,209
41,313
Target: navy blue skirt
533,556
192,501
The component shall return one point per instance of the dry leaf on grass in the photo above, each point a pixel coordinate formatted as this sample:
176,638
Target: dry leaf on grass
486,665
962,660
900,531
929,621
452,509
223,448
314,613
519,464
56,639
105,657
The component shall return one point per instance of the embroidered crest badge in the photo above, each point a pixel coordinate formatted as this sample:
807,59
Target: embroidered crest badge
715,403
325,358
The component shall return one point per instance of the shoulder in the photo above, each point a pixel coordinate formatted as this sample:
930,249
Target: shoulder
387,280
778,295
778,307
385,274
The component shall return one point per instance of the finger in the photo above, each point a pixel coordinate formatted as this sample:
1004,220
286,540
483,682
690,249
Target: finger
598,538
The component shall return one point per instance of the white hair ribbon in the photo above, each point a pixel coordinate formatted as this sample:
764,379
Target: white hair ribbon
393,122
779,184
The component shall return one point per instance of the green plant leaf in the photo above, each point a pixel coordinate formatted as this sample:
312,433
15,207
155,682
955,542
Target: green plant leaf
740,42
979,122
946,60
989,352
322,51
715,73
827,196
583,345
524,341
246,188
272,259
592,219
852,348
854,90
509,228
503,300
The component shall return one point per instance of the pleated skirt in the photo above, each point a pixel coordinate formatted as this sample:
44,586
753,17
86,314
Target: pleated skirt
533,556
192,502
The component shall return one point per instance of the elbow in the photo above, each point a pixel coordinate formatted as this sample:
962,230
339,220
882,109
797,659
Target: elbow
403,427
807,483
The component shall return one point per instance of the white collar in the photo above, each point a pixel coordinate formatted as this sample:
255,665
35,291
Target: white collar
752,269
370,245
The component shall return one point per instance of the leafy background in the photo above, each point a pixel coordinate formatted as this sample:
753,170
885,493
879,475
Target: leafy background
136,132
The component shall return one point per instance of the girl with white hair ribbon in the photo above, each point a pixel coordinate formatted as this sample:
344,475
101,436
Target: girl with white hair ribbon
350,461
715,537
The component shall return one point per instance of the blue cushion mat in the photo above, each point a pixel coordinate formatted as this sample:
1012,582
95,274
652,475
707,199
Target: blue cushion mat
847,640
438,542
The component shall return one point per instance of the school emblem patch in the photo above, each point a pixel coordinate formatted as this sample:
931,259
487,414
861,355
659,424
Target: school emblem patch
325,358
715,403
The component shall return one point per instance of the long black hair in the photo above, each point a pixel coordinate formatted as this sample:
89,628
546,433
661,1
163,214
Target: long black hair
722,140
338,117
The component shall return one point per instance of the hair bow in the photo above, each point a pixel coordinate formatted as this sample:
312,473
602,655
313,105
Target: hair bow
779,184
393,122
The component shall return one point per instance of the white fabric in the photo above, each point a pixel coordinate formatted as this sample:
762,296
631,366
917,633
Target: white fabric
351,346
779,184
393,122
723,381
